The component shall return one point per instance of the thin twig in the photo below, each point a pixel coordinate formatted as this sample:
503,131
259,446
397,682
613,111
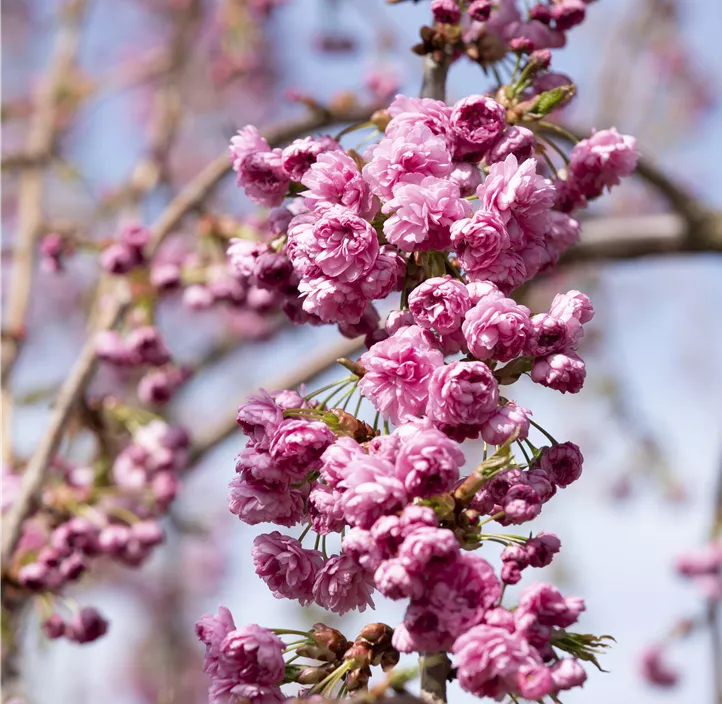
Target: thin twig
300,375
69,395
40,143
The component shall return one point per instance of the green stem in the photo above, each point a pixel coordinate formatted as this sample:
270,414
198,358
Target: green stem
553,127
523,451
325,402
345,400
550,164
495,517
294,645
336,675
318,541
544,432
358,405
288,632
305,533
327,387
353,128
557,149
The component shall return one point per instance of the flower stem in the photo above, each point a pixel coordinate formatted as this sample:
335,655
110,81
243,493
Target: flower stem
289,632
553,127
327,387
334,677
305,532
544,432
523,451
495,517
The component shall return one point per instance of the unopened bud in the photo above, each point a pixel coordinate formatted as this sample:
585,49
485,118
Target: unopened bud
351,426
329,639
314,675
389,659
359,655
380,120
376,633
358,679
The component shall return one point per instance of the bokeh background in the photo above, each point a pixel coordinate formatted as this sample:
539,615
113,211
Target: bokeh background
648,419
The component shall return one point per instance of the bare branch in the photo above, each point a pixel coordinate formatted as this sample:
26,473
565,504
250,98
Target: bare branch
70,393
116,302
299,375
642,236
433,84
39,145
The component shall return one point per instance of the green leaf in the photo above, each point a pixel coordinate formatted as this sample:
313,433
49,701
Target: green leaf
551,99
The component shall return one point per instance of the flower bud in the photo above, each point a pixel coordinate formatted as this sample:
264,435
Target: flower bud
389,659
359,654
147,533
479,10
378,634
72,567
358,679
315,674
86,626
53,626
34,575
330,639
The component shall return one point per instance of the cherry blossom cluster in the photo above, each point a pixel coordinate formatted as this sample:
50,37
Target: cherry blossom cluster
485,30
454,208
361,228
247,663
93,512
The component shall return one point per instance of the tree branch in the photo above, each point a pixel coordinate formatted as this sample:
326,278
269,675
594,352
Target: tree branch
703,227
609,239
302,374
433,84
115,304
70,393
39,146
435,669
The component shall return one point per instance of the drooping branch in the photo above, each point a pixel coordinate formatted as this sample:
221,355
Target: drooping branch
634,237
298,375
115,303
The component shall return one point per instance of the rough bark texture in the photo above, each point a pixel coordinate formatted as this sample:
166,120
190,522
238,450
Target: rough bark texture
435,669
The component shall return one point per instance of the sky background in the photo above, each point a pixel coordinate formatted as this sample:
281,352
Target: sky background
656,343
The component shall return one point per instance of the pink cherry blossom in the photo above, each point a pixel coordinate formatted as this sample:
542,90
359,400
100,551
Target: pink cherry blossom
342,586
398,373
522,197
462,393
254,504
286,567
440,304
413,153
422,212
562,371
496,328
429,463
600,161
488,660
335,179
